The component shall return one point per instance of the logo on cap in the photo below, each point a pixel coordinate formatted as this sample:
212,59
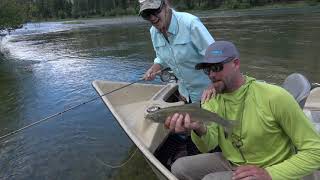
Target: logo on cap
216,52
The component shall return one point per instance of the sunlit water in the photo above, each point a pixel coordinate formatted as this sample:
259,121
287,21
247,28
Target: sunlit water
49,67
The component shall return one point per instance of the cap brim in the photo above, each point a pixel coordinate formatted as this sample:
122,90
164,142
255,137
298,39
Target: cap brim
209,61
201,65
149,6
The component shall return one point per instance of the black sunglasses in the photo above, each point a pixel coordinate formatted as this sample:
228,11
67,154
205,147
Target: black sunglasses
216,67
148,12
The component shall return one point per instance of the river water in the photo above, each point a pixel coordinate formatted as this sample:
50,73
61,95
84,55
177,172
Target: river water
48,67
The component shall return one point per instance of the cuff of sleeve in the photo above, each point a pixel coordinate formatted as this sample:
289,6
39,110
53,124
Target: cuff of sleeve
199,142
157,60
272,174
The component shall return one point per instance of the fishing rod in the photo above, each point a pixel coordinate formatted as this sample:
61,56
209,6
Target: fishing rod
165,74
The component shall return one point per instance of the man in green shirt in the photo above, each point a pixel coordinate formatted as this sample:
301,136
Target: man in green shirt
274,138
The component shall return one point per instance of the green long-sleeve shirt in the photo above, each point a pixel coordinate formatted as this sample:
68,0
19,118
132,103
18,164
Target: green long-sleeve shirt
275,132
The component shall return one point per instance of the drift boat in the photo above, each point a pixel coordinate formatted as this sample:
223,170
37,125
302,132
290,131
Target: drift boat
130,104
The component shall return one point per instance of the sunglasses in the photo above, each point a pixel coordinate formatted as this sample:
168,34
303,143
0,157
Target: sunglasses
217,67
148,12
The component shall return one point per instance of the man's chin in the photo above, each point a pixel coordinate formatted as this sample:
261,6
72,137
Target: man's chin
219,86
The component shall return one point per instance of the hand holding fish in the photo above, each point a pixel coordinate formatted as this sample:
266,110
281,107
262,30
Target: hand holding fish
180,123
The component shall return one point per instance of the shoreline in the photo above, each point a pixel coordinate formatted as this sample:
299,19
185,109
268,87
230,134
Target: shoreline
1,53
274,7
291,6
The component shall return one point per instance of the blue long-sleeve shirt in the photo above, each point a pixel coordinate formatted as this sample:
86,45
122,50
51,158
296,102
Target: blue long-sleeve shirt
187,42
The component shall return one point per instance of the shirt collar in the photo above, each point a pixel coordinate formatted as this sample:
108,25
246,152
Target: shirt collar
173,27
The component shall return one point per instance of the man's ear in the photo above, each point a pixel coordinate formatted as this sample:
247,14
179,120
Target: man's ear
236,63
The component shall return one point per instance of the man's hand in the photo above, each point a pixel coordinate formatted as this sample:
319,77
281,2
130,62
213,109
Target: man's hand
208,93
250,172
149,75
179,123
154,70
212,90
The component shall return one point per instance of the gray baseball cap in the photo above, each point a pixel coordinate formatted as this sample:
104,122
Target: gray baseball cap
149,4
218,52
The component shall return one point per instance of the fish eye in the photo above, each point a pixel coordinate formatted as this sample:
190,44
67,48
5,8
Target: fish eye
152,109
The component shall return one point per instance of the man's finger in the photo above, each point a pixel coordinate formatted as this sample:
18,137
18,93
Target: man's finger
173,121
247,174
245,168
187,122
204,96
244,172
208,95
167,122
179,124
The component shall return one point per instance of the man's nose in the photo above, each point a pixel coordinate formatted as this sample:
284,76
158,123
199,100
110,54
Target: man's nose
212,76
212,73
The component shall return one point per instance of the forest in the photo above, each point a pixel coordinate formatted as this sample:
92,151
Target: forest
13,13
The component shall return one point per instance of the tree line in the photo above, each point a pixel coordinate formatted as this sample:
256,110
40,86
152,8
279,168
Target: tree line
13,13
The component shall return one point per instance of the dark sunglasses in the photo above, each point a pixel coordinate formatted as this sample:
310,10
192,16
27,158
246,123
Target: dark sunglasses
217,67
213,68
148,12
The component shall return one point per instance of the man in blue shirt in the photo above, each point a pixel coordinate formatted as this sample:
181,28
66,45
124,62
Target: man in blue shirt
180,41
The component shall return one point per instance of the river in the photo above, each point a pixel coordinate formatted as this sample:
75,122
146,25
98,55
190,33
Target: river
48,67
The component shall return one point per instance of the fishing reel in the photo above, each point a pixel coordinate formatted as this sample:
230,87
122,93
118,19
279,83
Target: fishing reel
167,75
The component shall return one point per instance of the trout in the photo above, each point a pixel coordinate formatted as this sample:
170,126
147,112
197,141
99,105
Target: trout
159,115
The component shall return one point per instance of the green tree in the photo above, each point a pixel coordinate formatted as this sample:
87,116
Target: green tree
11,15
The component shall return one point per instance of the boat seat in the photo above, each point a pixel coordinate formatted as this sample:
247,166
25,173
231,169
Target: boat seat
308,100
298,86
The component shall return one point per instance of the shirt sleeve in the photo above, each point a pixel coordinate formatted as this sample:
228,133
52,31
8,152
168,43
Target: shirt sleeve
303,135
156,60
200,36
208,141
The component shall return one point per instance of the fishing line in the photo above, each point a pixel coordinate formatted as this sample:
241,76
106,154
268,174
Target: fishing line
117,166
66,110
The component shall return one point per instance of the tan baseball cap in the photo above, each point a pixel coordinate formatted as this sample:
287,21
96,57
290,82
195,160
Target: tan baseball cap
149,4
